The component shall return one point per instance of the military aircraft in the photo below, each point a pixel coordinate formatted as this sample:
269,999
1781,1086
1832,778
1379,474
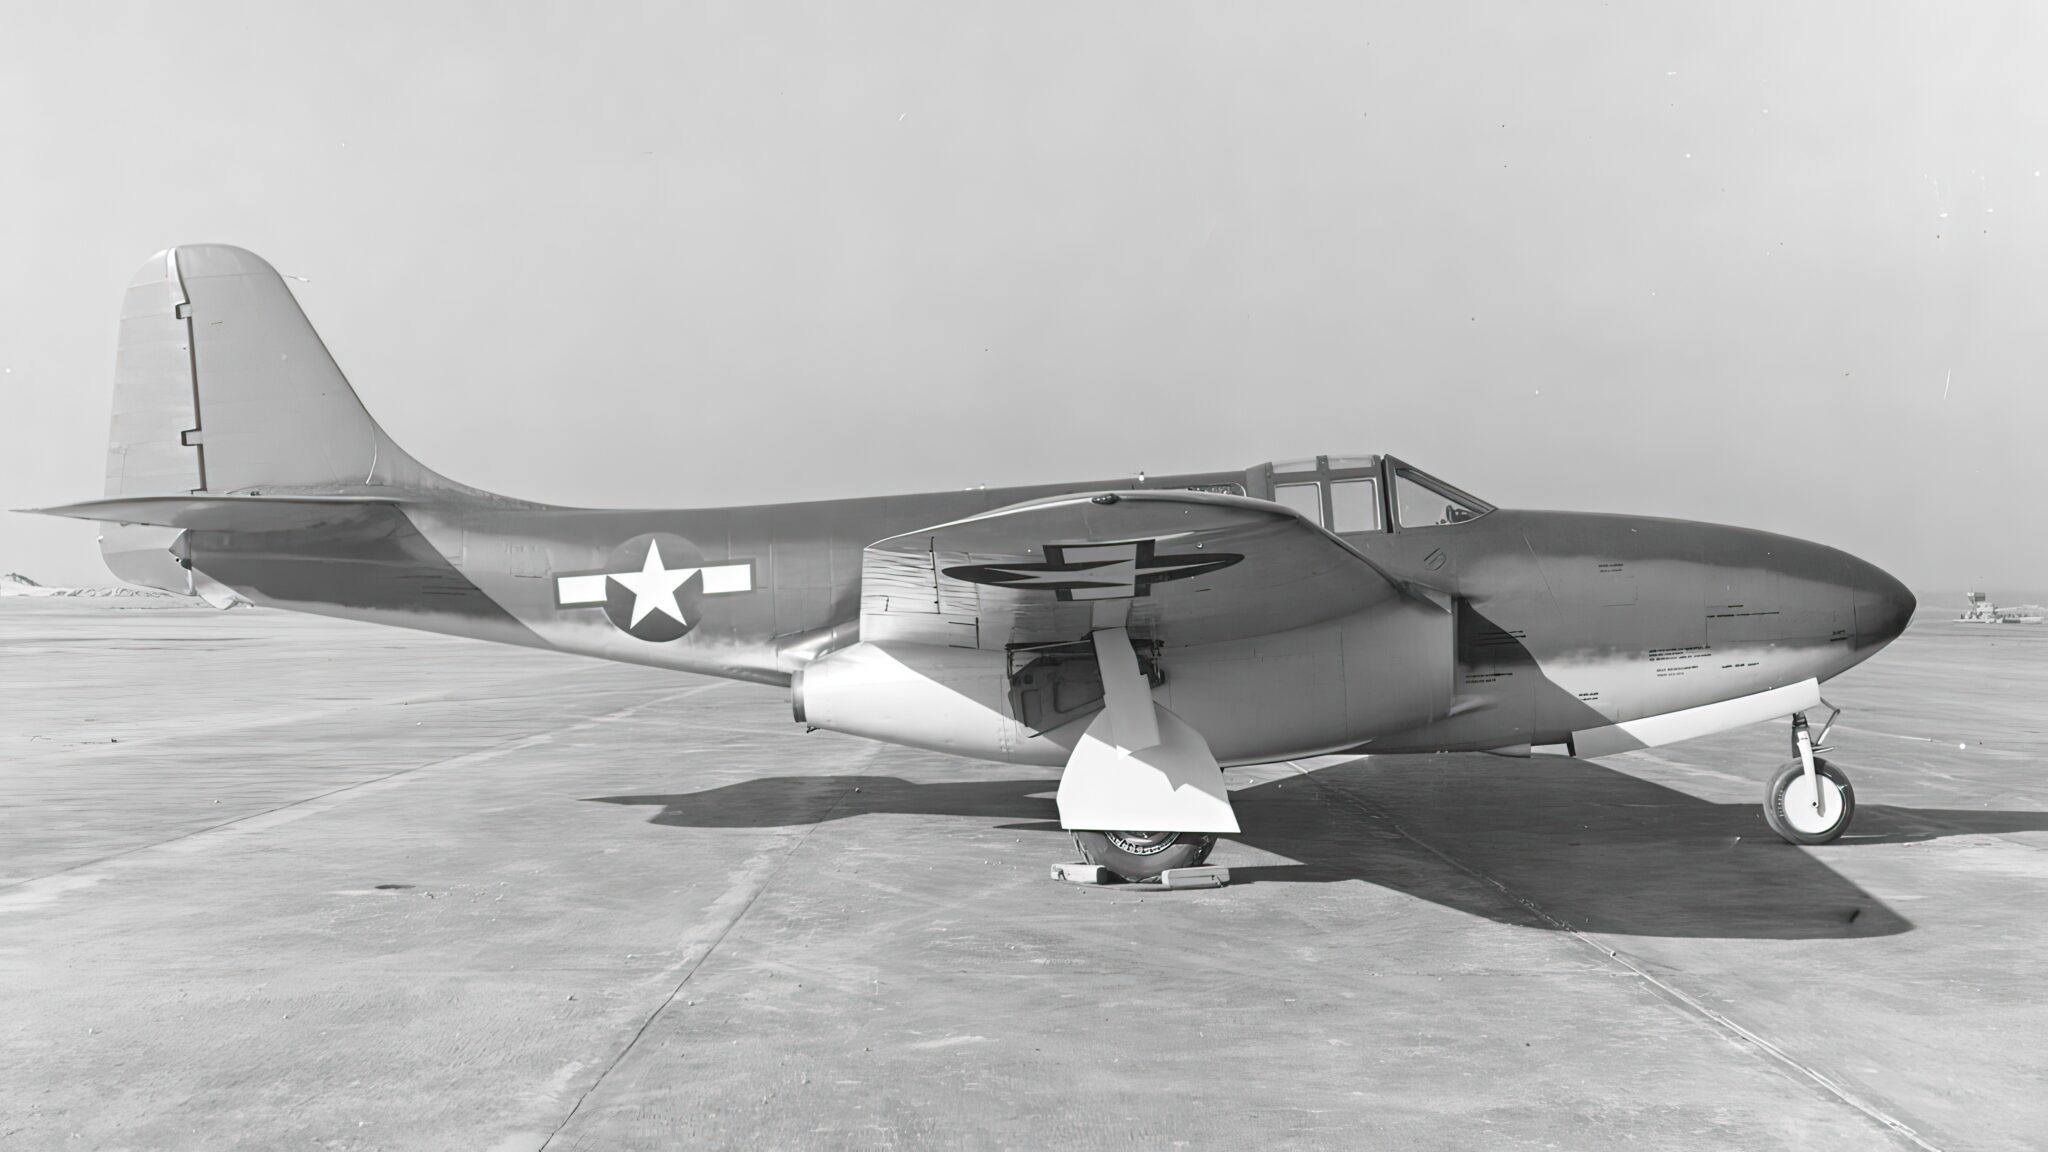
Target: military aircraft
1139,633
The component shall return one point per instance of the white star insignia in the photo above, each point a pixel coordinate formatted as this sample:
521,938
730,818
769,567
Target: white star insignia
654,584
654,587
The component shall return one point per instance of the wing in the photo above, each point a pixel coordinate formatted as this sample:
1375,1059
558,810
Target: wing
1180,568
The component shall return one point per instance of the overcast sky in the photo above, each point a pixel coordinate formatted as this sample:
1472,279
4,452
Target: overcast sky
1776,265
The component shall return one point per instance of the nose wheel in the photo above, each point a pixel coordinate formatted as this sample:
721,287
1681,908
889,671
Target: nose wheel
1809,801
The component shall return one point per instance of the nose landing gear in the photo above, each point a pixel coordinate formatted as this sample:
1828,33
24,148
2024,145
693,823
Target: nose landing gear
1809,801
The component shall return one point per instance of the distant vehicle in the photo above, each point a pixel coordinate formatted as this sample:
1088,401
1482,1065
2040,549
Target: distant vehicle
1982,611
1138,632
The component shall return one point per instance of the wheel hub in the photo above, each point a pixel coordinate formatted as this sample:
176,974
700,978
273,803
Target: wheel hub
1142,843
1800,811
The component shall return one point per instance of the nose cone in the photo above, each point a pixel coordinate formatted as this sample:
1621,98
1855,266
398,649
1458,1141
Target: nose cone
1883,606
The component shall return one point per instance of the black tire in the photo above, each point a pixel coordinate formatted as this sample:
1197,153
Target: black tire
1800,828
1141,856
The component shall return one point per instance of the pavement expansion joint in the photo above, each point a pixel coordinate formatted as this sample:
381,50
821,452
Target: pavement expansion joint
488,752
1746,1038
694,966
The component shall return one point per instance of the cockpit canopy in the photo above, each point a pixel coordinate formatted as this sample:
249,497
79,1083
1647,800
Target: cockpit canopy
1351,494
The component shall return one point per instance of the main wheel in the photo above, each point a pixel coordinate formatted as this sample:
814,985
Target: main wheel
1789,803
1141,856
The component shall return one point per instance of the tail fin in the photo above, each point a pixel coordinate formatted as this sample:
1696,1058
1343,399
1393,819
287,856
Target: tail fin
221,386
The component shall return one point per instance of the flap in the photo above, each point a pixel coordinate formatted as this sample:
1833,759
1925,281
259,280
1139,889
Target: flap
1174,567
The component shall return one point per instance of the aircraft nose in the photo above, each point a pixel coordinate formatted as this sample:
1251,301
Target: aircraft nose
1883,606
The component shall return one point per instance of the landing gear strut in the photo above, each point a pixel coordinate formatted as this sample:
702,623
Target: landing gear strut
1810,800
1140,856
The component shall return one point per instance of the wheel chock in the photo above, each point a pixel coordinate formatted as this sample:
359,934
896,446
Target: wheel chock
1205,877
1081,873
1171,878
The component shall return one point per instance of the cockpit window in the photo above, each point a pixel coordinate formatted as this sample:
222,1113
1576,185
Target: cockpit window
1421,503
1354,505
1306,499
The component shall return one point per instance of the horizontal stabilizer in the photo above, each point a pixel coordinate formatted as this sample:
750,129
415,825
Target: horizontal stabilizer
223,513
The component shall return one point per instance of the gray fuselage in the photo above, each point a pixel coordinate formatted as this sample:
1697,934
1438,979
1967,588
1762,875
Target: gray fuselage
1558,621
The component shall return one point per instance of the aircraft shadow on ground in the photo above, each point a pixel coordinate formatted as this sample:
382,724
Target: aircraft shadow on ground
1593,848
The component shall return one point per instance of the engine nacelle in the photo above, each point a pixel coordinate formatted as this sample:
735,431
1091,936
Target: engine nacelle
954,700
1295,693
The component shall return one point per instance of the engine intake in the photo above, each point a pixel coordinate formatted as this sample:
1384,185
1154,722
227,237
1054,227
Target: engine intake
953,700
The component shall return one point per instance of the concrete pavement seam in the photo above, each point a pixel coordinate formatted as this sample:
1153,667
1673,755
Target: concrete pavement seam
1670,993
511,745
699,962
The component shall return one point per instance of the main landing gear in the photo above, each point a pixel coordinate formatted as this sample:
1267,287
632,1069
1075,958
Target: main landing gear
1140,856
1137,764
1810,800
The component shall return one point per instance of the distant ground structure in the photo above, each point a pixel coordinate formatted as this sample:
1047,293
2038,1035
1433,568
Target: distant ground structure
1983,611
15,584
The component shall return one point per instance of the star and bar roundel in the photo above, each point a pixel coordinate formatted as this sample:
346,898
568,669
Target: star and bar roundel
1097,571
653,586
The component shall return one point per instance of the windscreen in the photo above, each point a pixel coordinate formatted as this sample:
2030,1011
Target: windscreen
1422,501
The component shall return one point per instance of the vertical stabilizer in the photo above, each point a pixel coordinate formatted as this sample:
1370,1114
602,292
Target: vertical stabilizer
222,386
